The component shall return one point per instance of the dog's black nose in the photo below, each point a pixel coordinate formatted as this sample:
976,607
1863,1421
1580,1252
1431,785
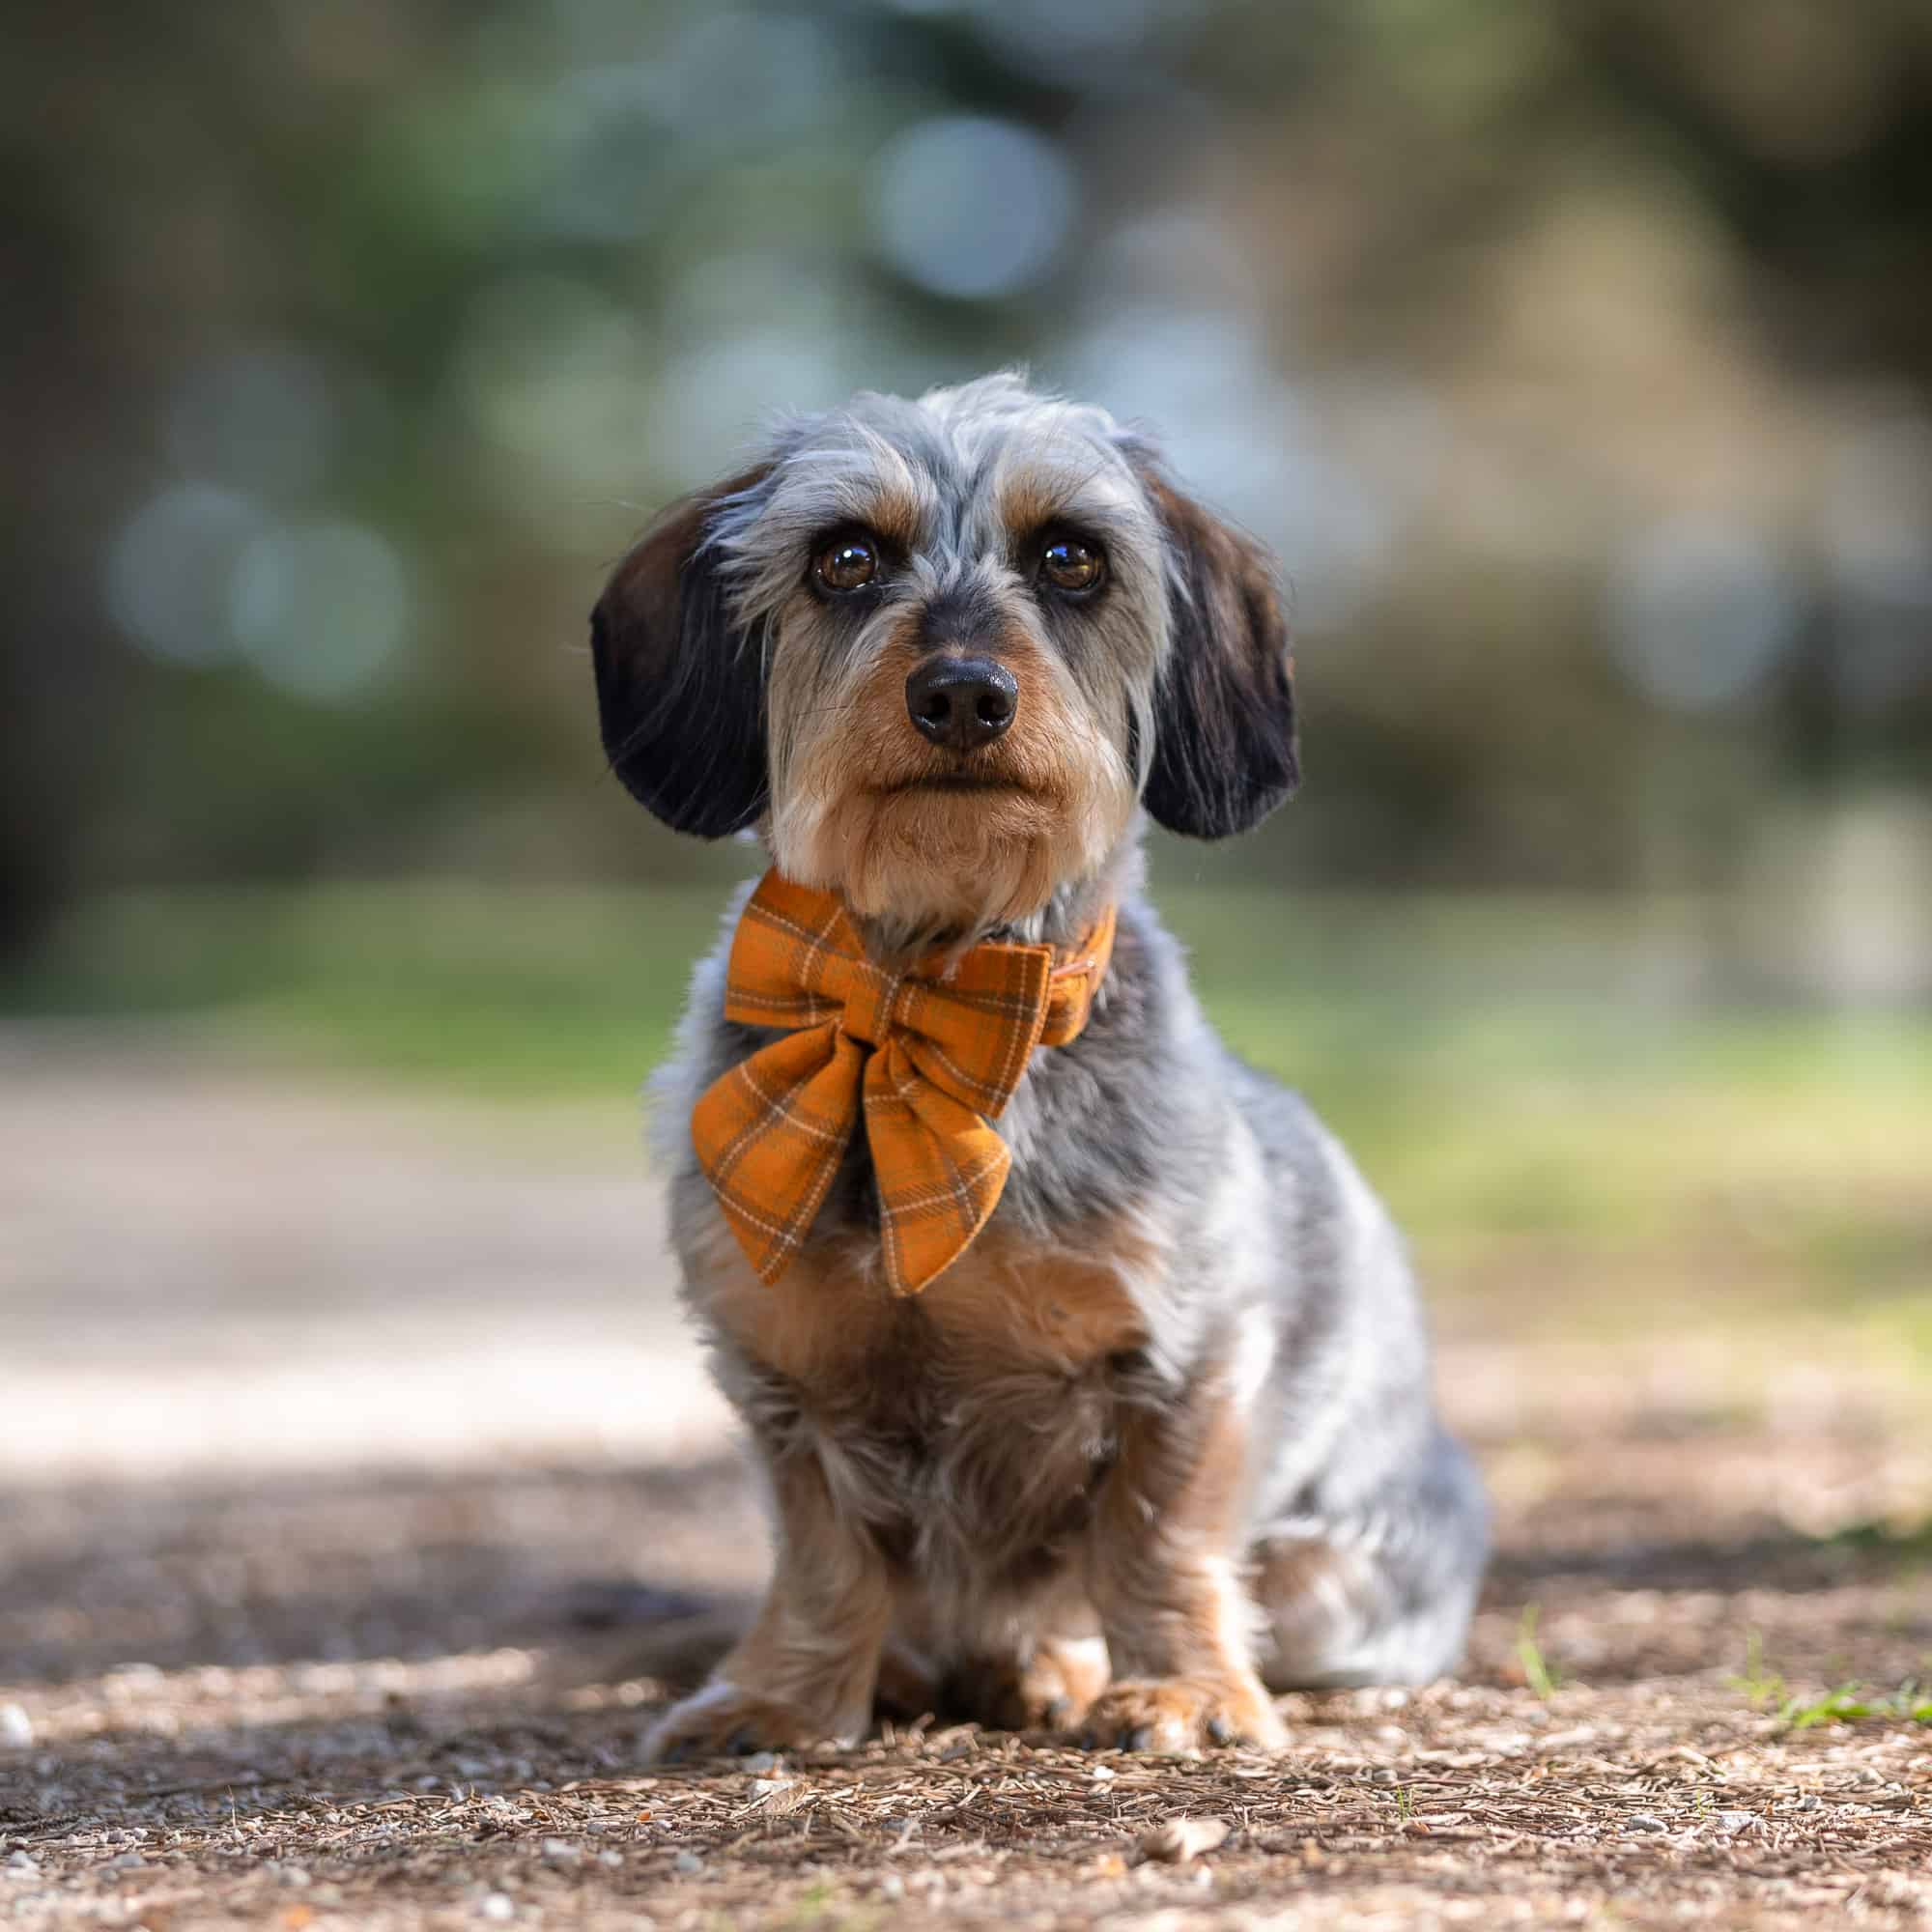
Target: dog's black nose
963,702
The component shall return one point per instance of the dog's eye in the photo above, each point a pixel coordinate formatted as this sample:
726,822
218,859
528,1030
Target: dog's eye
1069,564
849,564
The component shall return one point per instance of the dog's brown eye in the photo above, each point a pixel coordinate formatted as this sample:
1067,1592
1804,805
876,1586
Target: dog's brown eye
1069,564
850,564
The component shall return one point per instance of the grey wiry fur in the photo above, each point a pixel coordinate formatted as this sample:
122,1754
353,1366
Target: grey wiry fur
958,1499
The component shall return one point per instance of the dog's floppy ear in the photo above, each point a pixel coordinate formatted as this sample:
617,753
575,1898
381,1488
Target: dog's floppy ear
1224,723
680,694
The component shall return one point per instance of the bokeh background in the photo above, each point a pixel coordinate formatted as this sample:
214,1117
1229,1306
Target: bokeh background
1577,358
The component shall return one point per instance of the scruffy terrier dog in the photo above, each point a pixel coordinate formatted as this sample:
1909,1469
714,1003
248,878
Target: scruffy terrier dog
1087,1374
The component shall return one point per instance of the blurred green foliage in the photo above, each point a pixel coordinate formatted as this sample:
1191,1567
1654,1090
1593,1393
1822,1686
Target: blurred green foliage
1577,356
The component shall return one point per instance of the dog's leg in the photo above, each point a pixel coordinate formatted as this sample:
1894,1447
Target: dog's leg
1165,1578
804,1672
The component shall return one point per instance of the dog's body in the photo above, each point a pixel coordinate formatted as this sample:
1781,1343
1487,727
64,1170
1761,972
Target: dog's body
1167,1419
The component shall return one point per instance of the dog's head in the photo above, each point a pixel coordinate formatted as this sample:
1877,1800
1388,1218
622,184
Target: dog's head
939,651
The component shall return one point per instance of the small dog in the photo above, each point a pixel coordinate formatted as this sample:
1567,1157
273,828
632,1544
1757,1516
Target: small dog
1108,1415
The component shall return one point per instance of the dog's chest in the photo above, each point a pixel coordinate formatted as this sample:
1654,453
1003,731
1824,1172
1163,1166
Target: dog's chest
979,1416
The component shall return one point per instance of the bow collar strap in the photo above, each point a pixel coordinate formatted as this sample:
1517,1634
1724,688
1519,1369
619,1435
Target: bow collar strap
927,1056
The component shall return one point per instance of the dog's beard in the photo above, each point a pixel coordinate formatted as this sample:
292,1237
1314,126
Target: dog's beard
926,862
867,811
944,859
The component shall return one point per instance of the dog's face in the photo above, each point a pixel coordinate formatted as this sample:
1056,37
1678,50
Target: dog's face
940,651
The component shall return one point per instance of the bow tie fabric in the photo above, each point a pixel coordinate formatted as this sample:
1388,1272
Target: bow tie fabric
925,1057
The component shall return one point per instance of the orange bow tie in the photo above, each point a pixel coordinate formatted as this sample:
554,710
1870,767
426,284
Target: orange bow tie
930,1053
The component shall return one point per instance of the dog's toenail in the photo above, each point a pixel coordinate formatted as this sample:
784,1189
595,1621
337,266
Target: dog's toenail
1056,1712
742,1742
1220,1731
1141,1738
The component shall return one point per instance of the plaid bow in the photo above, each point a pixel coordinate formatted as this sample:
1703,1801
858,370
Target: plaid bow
933,1053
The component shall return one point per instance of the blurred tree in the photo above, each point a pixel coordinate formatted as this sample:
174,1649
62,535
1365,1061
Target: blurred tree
1580,356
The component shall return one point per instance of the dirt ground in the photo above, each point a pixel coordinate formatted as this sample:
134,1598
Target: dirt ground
349,1452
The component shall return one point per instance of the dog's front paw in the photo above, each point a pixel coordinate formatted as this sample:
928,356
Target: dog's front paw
1175,1713
1049,1691
723,1721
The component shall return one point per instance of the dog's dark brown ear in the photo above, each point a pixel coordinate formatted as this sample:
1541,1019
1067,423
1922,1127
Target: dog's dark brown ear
1224,724
680,693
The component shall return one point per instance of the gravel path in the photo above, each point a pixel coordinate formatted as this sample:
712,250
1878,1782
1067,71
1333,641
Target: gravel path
205,1273
353,1459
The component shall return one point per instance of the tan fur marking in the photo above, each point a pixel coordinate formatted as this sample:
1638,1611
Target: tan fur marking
856,817
1242,572
644,587
1162,1573
818,1325
1007,1302
1031,496
1051,1690
1288,1572
895,514
1175,1713
805,1671
1012,1301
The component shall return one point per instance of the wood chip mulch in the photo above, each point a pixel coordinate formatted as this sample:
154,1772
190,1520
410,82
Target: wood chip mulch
416,1782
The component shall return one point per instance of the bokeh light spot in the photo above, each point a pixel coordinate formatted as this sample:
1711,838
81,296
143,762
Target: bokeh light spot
321,609
168,571
971,208
1699,615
